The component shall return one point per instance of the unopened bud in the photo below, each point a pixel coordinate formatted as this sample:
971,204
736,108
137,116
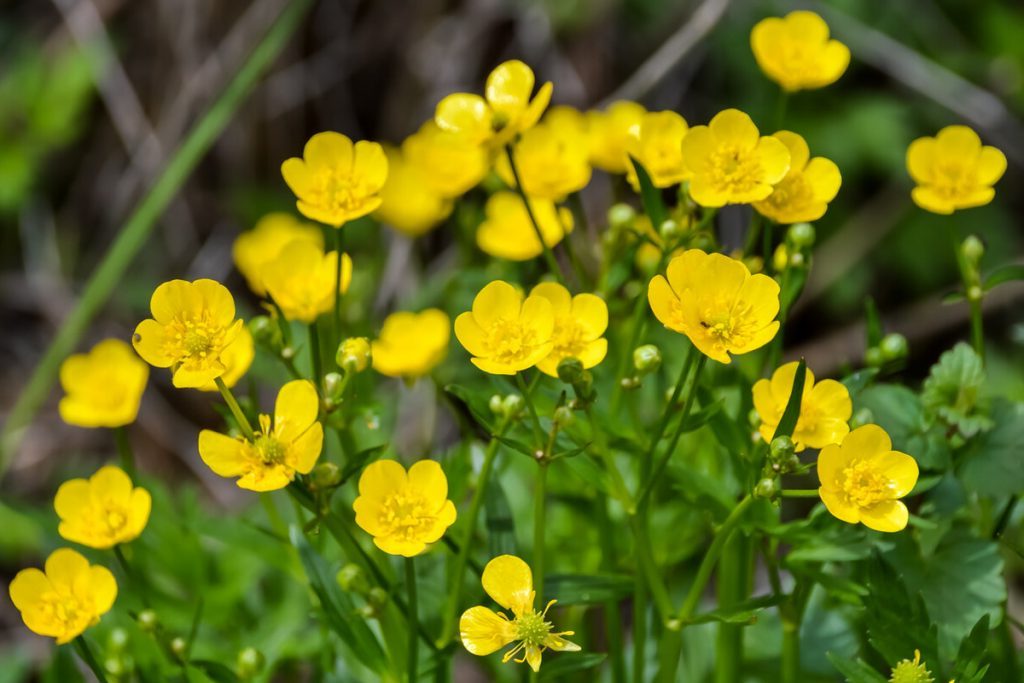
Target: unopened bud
893,347
801,235
564,416
148,620
496,405
973,249
114,667
755,264
354,354
378,598
874,357
512,406
797,259
754,418
264,331
117,640
780,259
570,370
250,662
629,382
766,488
333,385
288,352
326,475
352,579
670,231
178,647
646,359
974,293
621,216
782,447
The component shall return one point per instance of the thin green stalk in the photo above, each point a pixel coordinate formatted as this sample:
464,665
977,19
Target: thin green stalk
314,354
666,416
539,528
640,628
538,432
339,246
752,233
790,652
648,568
972,290
549,256
124,450
410,586
137,228
85,652
618,484
799,493
461,557
612,612
236,410
733,583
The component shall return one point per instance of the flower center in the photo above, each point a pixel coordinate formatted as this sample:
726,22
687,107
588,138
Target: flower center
116,518
863,485
792,193
734,169
531,628
510,339
194,340
568,338
406,515
338,190
955,179
67,610
269,450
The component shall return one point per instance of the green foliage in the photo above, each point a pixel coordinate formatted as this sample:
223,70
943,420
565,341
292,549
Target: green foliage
900,412
953,391
991,464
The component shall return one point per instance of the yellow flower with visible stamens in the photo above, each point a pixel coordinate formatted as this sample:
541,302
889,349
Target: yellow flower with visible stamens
656,142
505,110
807,188
103,510
255,248
795,51
450,164
301,280
408,202
192,324
953,170
730,163
411,345
237,358
336,181
610,132
717,303
284,446
404,511
69,597
509,582
104,387
863,478
504,332
580,323
825,407
552,159
507,231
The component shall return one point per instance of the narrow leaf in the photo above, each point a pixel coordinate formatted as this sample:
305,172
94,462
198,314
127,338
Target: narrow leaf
654,207
1014,271
792,412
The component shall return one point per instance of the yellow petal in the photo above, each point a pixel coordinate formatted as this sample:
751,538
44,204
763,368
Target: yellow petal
328,150
427,478
509,582
534,110
591,314
832,63
734,127
538,316
561,300
533,656
807,26
799,152
509,86
497,368
930,200
991,165
498,300
921,160
957,143
223,454
216,301
305,450
697,148
102,589
900,469
838,506
72,498
148,341
593,353
141,506
111,482
63,566
471,335
867,441
824,178
27,587
466,115
382,478
370,164
832,460
399,546
484,632
296,409
663,301
888,516
556,642
775,159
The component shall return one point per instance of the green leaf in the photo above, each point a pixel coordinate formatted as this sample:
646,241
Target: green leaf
895,615
899,412
649,195
856,670
356,462
873,323
472,405
588,589
517,445
857,382
215,671
500,525
970,666
792,412
991,465
952,391
1014,271
734,439
565,663
741,613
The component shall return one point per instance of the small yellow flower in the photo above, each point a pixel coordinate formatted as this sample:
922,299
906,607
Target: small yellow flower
301,280
610,131
505,110
863,478
408,202
354,354
580,322
255,248
657,144
509,582
404,511
825,407
336,181
68,598
451,165
795,51
192,324
283,447
237,358
103,510
103,388
911,671
730,163
507,232
411,345
504,332
807,188
953,170
717,303
552,160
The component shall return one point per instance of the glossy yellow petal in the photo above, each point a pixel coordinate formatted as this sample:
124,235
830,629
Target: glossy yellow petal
806,25
832,63
465,114
556,642
832,460
27,587
509,87
394,545
957,142
775,160
799,152
867,441
991,165
471,335
296,409
591,314
509,582
593,353
141,506
495,367
225,455
427,478
63,566
732,126
73,496
839,507
111,482
265,478
305,450
888,516
697,149
382,478
900,469
496,301
921,159
930,199
328,149
370,164
536,108
664,303
560,298
484,632
532,654
102,589
824,178
537,315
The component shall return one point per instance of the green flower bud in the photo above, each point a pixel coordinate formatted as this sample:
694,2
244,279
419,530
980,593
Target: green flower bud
288,352
797,260
670,231
629,382
975,293
378,598
754,418
114,667
570,370
334,383
117,640
862,417
512,406
801,235
874,357
326,475
179,648
755,264
354,354
564,416
352,579
148,621
621,216
646,359
893,347
782,447
249,663
973,249
767,488
265,332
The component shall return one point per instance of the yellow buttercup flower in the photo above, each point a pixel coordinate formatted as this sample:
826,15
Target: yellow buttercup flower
717,303
411,345
953,170
507,232
103,510
237,358
509,582
504,332
863,478
657,144
192,324
795,51
404,511
284,446
553,162
336,181
505,110
807,188
301,280
255,248
610,131
825,407
408,202
580,322
68,598
730,163
451,165
102,388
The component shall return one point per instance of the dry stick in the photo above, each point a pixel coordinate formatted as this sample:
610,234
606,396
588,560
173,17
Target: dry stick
140,224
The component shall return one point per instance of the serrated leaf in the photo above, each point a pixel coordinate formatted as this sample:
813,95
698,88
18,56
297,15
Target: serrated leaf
970,666
952,391
1014,271
897,620
588,589
992,464
899,412
654,207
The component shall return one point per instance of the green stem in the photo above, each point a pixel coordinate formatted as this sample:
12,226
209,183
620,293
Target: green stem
618,484
799,493
972,284
339,246
236,410
648,567
640,628
314,354
666,416
549,256
85,652
410,585
539,528
612,610
790,652
124,450
538,432
136,230
733,582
